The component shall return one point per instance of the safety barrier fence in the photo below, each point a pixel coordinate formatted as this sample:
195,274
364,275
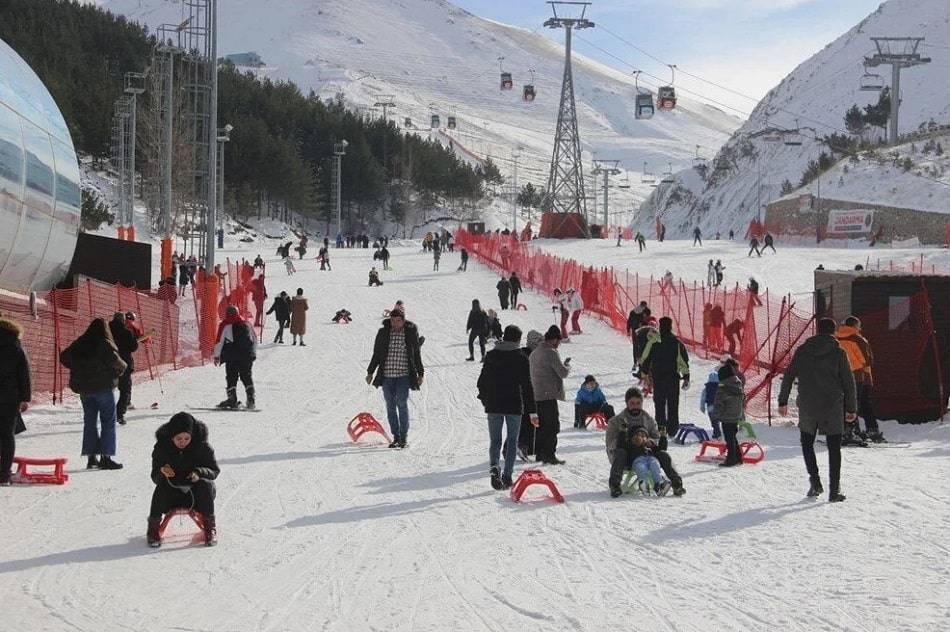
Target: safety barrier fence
760,330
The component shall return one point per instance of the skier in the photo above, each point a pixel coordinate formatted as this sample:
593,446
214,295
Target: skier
324,256
576,303
719,268
236,348
281,311
769,243
641,241
436,255
183,469
477,328
504,387
515,284
711,274
298,317
732,234
826,401
697,236
397,364
707,402
94,369
667,363
547,383
861,361
618,439
15,393
729,409
504,291
754,246
374,277
127,344
589,400
463,266
560,305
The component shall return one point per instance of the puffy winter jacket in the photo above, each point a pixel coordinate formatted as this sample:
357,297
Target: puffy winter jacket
547,373
730,401
826,389
504,385
707,397
665,358
280,309
860,357
620,429
477,322
197,456
14,366
590,397
92,370
237,343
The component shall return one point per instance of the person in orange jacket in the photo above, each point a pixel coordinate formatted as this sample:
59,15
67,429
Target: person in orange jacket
861,361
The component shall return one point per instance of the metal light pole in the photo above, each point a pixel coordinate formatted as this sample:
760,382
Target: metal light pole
339,150
212,140
224,136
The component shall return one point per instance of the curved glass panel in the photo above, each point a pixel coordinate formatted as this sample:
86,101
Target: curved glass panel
11,180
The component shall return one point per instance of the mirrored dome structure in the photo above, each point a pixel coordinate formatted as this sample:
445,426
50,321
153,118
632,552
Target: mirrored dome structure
39,182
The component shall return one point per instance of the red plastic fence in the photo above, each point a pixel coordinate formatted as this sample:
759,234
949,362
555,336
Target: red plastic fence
761,331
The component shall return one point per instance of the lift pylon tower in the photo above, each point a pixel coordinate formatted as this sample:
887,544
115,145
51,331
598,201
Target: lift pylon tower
898,53
565,191
606,168
385,101
168,46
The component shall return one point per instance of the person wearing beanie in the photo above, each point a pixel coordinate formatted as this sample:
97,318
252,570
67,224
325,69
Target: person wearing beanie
183,470
397,365
588,401
547,382
621,448
827,399
15,392
504,388
729,407
666,363
236,348
504,292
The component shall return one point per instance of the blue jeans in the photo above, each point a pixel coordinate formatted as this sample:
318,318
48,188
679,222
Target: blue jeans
495,423
648,466
98,407
396,393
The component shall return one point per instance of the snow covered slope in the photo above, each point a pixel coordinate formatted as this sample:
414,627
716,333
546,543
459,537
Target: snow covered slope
814,97
437,58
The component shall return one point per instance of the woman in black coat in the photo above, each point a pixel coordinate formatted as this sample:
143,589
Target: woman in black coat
183,470
15,393
477,328
281,311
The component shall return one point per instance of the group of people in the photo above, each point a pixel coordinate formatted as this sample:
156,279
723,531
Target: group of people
769,242
508,291
438,241
569,305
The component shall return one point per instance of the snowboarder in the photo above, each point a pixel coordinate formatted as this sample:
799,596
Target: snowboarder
374,277
576,303
477,328
15,393
754,246
236,348
504,387
707,402
183,469
504,292
589,400
729,409
298,317
127,344
515,284
436,255
547,384
861,361
94,369
769,243
618,437
281,311
697,236
826,400
667,363
641,241
463,266
397,364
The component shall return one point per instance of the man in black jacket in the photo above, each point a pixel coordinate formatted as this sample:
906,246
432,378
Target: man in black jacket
236,348
397,364
477,328
636,319
127,344
666,362
15,392
515,283
504,387
281,311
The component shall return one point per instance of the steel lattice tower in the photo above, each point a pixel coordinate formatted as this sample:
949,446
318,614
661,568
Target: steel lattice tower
565,194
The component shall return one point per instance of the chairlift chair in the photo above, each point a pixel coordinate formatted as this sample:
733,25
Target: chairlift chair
698,162
871,82
646,177
793,138
450,122
435,123
625,183
668,175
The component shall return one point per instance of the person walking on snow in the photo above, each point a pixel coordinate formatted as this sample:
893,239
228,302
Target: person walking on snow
397,364
436,255
861,361
504,388
183,469
236,348
753,288
729,409
707,402
576,303
298,317
515,284
547,383
463,265
754,246
697,236
477,328
711,274
127,344
281,311
634,322
719,268
15,393
504,292
667,363
641,241
827,399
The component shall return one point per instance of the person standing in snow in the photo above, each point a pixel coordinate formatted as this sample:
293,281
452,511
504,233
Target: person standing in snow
729,409
15,392
384,256
436,255
324,256
634,322
504,291
515,284
697,236
281,311
298,317
769,243
707,402
641,241
547,384
588,401
463,265
732,234
477,328
861,361
719,268
754,246
504,388
236,348
183,469
667,363
127,344
576,304
493,325
561,306
827,399
289,264
753,289
397,364
711,274
526,437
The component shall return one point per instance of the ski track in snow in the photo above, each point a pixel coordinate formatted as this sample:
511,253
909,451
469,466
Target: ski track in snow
319,533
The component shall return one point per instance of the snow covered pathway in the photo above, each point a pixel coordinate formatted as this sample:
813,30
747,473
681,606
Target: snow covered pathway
319,534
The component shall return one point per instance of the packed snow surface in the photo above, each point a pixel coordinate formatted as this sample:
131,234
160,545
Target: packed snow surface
317,533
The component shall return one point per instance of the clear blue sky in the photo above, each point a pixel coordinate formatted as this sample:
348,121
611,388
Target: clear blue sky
747,45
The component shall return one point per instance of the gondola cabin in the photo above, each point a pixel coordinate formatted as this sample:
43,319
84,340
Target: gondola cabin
506,81
666,98
644,105
528,93
450,122
435,123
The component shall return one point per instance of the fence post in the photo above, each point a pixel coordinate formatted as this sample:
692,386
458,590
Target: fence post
89,296
58,369
147,341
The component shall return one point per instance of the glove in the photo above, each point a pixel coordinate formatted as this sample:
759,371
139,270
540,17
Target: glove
369,378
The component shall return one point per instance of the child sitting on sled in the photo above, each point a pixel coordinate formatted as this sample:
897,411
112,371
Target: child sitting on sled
183,470
645,464
374,277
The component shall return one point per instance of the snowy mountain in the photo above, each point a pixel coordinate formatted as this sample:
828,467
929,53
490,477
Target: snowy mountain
814,99
435,58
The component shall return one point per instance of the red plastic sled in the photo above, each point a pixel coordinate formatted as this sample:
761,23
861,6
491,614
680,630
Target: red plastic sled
362,424
750,451
521,307
195,516
598,419
57,477
534,477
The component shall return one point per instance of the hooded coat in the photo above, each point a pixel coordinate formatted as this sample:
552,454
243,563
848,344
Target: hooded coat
826,388
93,367
504,385
298,316
547,373
729,403
197,456
14,366
665,357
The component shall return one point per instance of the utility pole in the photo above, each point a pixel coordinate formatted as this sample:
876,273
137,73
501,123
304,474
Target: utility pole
339,150
385,101
565,194
134,86
898,53
514,188
606,168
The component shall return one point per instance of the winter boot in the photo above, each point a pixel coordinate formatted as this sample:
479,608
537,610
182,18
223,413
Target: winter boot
815,489
151,534
506,481
92,462
250,397
836,498
495,475
106,463
6,479
662,489
679,491
470,359
211,531
231,402
394,443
